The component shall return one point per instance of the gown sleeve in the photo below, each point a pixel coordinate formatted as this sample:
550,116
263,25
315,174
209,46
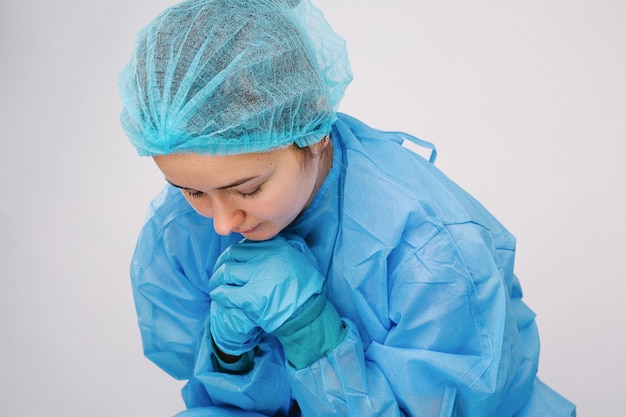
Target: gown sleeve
171,265
437,325
459,340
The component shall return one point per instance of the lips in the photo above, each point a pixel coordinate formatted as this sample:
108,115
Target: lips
252,230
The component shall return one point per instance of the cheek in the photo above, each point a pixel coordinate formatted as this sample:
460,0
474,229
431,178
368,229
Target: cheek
277,206
285,202
298,193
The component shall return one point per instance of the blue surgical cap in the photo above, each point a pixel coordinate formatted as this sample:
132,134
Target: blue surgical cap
225,77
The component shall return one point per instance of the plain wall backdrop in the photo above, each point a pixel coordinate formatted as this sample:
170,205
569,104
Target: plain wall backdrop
525,100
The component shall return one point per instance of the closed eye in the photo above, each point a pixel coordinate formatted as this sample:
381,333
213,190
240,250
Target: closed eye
195,194
250,194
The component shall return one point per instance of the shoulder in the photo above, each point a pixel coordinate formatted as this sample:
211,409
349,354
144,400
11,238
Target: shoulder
389,187
392,193
168,206
177,235
378,158
169,213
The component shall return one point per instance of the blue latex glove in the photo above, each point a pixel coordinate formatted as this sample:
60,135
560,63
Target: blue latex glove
273,286
233,332
269,281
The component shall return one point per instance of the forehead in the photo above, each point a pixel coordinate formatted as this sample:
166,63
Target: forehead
214,171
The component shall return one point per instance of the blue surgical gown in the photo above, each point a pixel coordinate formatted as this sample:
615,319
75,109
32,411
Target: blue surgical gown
419,271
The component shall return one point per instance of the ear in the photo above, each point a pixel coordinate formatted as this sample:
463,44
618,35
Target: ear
318,148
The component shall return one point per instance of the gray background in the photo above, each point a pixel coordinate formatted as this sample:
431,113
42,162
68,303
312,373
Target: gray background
526,101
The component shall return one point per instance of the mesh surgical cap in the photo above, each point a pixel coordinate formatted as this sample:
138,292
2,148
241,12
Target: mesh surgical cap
233,76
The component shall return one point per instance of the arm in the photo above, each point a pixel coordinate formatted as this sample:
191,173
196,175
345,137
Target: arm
169,281
451,342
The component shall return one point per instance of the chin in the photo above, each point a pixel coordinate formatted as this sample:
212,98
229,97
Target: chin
259,235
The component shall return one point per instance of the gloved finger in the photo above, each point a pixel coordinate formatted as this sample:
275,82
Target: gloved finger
269,288
255,294
249,250
267,267
232,331
278,280
267,307
250,255
280,248
231,274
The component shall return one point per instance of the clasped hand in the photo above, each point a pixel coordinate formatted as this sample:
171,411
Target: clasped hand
257,286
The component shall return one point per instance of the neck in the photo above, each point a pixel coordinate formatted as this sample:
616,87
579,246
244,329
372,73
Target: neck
324,163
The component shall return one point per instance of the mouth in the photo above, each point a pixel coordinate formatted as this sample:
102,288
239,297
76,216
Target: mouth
252,230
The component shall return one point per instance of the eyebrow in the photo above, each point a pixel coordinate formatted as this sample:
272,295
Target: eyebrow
223,187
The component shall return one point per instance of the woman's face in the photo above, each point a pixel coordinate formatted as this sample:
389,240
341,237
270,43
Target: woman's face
255,194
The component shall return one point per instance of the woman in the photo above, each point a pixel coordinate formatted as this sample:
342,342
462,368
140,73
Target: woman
300,262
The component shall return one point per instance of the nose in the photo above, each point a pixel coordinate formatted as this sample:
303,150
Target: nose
225,217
